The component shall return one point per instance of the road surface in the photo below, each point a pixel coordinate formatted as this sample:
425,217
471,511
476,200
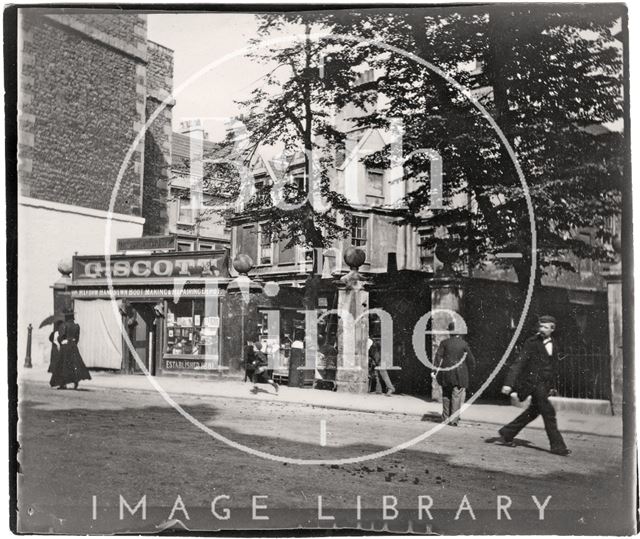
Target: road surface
83,452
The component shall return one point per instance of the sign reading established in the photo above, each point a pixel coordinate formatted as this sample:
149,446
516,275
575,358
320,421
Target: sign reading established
182,363
161,266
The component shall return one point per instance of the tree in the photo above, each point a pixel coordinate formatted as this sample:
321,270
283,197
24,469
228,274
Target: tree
294,107
549,75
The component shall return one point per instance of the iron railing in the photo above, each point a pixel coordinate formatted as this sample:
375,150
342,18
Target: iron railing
584,372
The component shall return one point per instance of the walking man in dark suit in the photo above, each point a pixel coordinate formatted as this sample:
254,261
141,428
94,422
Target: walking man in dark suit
453,361
535,373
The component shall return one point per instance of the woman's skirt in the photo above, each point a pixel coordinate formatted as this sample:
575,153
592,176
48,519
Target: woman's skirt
54,358
70,367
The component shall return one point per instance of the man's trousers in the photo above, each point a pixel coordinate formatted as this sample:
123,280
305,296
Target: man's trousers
540,405
452,401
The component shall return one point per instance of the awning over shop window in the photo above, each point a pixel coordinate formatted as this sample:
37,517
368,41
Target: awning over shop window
100,334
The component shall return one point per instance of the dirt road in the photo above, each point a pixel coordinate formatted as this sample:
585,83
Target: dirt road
83,452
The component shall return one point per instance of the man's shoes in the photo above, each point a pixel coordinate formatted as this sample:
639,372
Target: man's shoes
505,441
508,443
563,451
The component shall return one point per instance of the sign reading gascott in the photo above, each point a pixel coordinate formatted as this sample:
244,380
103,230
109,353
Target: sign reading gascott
162,266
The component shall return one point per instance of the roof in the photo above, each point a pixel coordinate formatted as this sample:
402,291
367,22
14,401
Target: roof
222,178
181,145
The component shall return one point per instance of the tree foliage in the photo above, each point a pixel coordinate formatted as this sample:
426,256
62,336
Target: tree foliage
294,108
549,75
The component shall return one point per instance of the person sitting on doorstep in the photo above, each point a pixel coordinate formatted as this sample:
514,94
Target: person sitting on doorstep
261,374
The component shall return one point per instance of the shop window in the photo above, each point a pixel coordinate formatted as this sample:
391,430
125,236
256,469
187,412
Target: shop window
206,246
291,327
359,231
192,336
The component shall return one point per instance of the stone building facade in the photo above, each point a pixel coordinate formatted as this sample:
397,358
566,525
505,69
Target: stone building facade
86,85
402,277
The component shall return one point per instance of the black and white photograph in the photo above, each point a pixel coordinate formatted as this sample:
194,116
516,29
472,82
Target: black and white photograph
320,269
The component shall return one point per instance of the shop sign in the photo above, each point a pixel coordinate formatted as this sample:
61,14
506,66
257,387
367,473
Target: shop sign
170,364
162,266
146,292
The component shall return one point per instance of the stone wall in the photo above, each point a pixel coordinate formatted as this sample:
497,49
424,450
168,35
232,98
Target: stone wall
80,106
157,164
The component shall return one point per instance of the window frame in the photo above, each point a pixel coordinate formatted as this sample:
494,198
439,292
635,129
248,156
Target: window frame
369,192
365,229
180,201
260,247
211,361
190,243
423,232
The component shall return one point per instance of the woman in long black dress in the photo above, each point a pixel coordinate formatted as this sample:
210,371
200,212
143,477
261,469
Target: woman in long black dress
71,369
54,338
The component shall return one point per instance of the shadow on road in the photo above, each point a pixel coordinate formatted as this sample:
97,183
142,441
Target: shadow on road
432,417
135,444
519,442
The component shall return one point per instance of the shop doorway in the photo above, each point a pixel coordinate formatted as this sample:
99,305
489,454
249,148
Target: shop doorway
141,330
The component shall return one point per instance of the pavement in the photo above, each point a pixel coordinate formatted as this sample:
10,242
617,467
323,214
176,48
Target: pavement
568,420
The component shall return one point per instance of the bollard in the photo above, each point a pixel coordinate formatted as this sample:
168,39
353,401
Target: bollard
27,359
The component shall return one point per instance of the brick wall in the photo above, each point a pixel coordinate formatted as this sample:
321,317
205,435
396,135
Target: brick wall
81,103
157,156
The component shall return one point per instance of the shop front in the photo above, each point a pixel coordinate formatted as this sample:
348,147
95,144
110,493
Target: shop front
161,312
183,313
